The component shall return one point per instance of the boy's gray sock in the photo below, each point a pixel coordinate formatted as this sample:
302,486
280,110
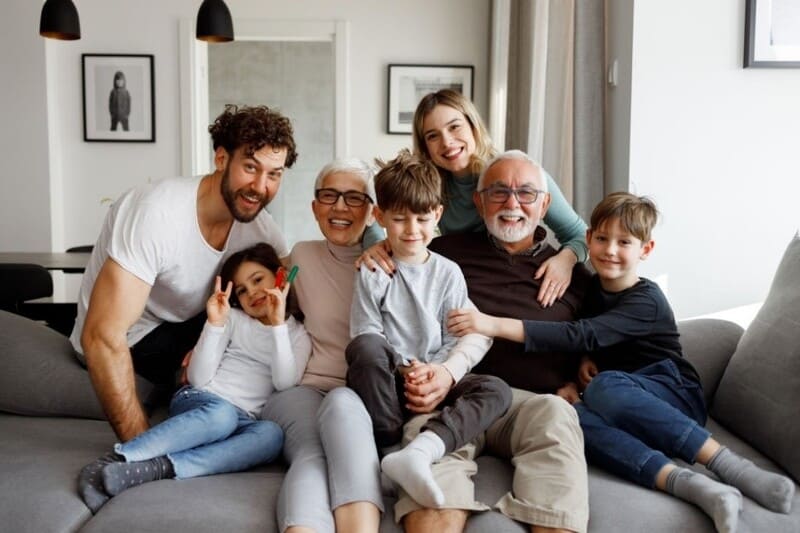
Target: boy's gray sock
721,502
90,482
120,476
411,468
771,490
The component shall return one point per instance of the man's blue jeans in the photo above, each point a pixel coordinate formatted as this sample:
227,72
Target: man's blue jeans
205,435
634,422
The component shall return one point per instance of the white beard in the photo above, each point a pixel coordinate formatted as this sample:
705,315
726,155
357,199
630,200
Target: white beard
510,234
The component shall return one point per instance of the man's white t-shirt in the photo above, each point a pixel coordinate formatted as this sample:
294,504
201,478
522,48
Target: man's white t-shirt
152,232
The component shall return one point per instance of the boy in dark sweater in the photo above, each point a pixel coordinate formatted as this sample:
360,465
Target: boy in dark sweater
642,402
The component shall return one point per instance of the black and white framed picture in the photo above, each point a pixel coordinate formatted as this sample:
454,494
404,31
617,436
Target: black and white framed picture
118,98
772,34
409,83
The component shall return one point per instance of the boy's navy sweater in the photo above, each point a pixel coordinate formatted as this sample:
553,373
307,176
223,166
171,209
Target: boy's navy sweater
625,330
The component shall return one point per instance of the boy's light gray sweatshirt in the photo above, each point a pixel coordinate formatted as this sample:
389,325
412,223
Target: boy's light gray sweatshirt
410,310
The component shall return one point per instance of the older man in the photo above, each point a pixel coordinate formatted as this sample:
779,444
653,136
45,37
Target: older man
540,432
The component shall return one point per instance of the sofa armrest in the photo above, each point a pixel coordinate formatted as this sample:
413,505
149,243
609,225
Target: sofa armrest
40,374
708,344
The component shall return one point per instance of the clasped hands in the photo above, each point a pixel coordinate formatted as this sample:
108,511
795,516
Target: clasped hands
426,385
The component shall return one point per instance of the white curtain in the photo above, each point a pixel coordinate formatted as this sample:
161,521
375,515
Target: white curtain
554,108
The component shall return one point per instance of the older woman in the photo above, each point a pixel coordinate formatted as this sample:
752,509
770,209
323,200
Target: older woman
334,475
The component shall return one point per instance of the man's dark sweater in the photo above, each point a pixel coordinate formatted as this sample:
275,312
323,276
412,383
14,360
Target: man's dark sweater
624,330
502,284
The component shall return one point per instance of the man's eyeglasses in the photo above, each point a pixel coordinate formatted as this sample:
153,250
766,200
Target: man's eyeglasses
500,195
351,198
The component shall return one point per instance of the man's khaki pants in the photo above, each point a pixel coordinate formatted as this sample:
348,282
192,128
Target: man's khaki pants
541,436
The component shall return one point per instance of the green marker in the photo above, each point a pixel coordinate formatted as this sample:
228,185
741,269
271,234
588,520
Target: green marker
292,274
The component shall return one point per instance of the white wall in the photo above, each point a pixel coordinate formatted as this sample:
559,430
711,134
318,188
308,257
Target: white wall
24,181
718,147
412,31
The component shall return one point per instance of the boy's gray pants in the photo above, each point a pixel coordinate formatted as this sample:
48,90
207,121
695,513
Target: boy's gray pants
470,407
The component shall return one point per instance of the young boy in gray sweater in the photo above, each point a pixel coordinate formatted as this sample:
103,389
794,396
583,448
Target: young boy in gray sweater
398,326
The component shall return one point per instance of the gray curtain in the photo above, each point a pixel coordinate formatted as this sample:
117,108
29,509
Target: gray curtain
555,92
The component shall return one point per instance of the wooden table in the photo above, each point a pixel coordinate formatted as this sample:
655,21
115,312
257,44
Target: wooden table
72,261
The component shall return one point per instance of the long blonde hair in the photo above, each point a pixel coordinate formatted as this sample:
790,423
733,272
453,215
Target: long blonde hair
484,149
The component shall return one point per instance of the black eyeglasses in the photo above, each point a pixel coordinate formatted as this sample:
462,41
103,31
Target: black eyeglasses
500,195
351,198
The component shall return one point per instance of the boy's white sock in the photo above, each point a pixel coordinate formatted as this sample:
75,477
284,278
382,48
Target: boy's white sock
411,468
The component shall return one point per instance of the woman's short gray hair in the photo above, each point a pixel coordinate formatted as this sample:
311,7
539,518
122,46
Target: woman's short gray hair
513,154
350,165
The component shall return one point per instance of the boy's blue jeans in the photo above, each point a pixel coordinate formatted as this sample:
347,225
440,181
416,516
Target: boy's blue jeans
205,435
634,422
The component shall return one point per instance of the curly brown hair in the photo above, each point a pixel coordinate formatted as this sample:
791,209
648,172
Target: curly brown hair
253,127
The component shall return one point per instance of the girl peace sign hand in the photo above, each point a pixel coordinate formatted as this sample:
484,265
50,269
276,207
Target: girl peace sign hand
218,305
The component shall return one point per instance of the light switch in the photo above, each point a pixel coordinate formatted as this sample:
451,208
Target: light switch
612,73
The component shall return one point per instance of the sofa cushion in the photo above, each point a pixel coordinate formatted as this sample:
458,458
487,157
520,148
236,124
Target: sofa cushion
617,505
758,395
243,502
709,343
40,375
39,463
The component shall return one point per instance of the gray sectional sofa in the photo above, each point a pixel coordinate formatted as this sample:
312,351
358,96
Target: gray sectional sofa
51,425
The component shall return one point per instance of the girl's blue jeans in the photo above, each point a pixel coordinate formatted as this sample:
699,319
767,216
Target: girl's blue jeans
205,435
633,423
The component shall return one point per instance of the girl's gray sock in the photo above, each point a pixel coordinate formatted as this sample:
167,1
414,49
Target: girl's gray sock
120,476
90,482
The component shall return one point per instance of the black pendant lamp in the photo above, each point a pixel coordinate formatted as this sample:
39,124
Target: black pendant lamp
214,23
59,20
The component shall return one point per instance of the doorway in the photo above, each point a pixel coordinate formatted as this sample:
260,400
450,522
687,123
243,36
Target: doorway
297,68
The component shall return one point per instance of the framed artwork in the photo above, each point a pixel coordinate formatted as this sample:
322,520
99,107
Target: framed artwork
118,98
409,83
772,34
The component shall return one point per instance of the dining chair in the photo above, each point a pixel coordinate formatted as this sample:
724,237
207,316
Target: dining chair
84,248
21,282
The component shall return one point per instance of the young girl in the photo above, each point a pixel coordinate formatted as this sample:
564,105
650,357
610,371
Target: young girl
241,357
449,131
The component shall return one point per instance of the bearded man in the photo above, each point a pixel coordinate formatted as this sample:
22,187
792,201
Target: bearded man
540,432
141,303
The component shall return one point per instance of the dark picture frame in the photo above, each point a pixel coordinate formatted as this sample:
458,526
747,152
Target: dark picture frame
119,100
409,83
772,34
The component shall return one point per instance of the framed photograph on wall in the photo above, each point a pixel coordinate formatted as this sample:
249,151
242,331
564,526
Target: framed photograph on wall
772,34
409,83
118,98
